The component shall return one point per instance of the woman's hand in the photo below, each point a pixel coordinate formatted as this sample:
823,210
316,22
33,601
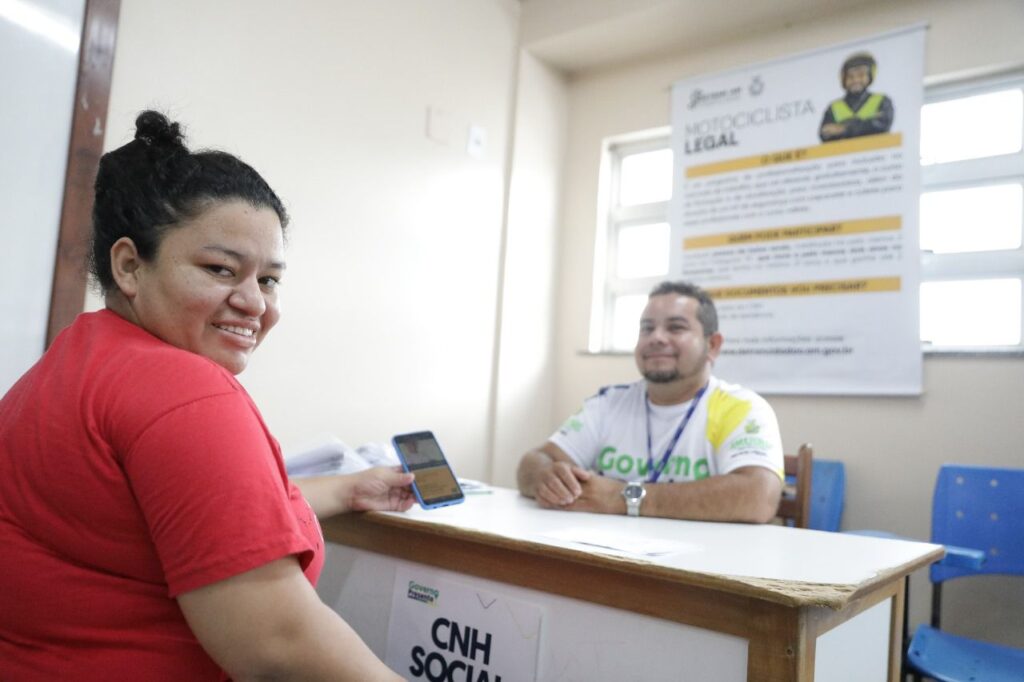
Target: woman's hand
381,489
378,489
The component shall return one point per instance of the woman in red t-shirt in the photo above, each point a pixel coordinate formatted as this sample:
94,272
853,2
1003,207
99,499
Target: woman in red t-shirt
149,530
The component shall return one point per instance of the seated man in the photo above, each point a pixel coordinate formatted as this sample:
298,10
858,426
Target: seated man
679,444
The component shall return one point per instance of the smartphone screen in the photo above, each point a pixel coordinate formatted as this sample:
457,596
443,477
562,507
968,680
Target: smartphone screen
435,484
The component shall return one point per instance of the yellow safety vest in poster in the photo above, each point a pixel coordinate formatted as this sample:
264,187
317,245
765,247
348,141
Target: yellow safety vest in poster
841,111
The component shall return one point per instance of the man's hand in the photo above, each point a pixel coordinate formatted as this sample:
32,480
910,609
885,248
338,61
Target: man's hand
560,484
833,129
600,495
551,477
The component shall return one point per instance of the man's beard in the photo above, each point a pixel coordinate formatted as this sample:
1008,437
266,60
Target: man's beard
664,376
670,374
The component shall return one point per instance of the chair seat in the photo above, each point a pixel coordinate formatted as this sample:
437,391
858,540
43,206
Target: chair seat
949,658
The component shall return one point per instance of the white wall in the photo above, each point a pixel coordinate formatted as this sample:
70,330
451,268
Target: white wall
38,69
892,447
526,375
390,298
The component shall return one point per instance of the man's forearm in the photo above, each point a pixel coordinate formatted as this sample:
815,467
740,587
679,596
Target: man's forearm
750,495
532,463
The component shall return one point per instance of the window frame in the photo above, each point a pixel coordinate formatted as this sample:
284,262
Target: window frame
984,171
934,267
607,285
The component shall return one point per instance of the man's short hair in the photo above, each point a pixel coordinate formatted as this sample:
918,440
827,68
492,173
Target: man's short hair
706,312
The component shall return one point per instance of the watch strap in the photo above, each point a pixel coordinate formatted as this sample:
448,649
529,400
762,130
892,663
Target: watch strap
634,501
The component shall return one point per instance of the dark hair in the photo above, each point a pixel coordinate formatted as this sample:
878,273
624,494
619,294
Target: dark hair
706,312
154,182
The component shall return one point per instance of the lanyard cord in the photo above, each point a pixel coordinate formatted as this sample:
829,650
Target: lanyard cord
653,474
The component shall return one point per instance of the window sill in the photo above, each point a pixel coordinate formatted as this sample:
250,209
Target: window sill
967,352
1001,352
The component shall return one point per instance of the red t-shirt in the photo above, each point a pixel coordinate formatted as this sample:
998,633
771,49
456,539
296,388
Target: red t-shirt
131,471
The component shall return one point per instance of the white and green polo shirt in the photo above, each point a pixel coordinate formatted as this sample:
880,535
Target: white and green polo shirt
731,427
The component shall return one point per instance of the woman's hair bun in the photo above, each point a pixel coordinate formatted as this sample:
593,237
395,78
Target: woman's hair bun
153,128
154,184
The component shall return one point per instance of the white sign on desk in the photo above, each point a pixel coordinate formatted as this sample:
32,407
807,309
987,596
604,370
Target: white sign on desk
441,630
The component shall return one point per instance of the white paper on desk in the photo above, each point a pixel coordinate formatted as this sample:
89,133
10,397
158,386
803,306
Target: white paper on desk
629,544
473,487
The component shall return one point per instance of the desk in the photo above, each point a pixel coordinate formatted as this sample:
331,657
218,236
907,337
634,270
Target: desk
777,595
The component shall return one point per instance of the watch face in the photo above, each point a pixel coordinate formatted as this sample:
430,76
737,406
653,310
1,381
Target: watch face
632,491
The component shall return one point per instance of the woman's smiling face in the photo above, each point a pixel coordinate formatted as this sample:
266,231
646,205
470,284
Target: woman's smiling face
212,287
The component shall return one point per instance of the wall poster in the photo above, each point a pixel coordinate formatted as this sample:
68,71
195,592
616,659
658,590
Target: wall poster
795,204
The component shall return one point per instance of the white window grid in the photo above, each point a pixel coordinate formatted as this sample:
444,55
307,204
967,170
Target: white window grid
990,170
606,279
934,267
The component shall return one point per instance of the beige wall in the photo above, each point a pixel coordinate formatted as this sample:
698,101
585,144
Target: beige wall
525,370
390,299
892,447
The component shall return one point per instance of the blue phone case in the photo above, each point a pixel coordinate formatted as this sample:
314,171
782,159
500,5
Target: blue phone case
431,459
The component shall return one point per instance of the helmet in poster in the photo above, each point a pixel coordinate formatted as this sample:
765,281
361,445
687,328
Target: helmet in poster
859,59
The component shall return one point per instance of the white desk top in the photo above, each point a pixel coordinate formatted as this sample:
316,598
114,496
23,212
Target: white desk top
770,557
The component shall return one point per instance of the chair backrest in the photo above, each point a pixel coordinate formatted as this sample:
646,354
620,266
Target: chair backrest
795,506
981,508
828,493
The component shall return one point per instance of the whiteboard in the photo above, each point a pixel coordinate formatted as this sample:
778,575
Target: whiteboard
39,46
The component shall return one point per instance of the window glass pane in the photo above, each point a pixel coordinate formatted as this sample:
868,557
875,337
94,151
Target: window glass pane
972,219
971,312
645,178
626,322
972,127
642,250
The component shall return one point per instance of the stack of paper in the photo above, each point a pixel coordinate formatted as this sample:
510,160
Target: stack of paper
335,457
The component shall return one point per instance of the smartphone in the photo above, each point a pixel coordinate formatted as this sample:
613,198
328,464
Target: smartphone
435,484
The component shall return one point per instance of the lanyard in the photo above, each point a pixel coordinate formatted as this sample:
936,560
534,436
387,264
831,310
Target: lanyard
653,473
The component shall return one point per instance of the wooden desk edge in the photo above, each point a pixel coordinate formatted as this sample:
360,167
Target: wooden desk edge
354,528
780,626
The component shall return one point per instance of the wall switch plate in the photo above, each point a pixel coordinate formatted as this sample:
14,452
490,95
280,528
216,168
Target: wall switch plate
476,144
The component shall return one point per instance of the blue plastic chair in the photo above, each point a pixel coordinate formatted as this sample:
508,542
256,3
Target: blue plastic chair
828,491
981,508
824,499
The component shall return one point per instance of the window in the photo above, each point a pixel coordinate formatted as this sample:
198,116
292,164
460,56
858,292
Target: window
972,210
971,223
633,256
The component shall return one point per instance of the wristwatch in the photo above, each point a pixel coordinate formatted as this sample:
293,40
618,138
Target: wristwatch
634,494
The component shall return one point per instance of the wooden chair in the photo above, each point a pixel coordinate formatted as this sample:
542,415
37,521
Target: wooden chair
795,506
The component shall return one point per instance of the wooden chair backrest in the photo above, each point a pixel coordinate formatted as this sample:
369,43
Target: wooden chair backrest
795,505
